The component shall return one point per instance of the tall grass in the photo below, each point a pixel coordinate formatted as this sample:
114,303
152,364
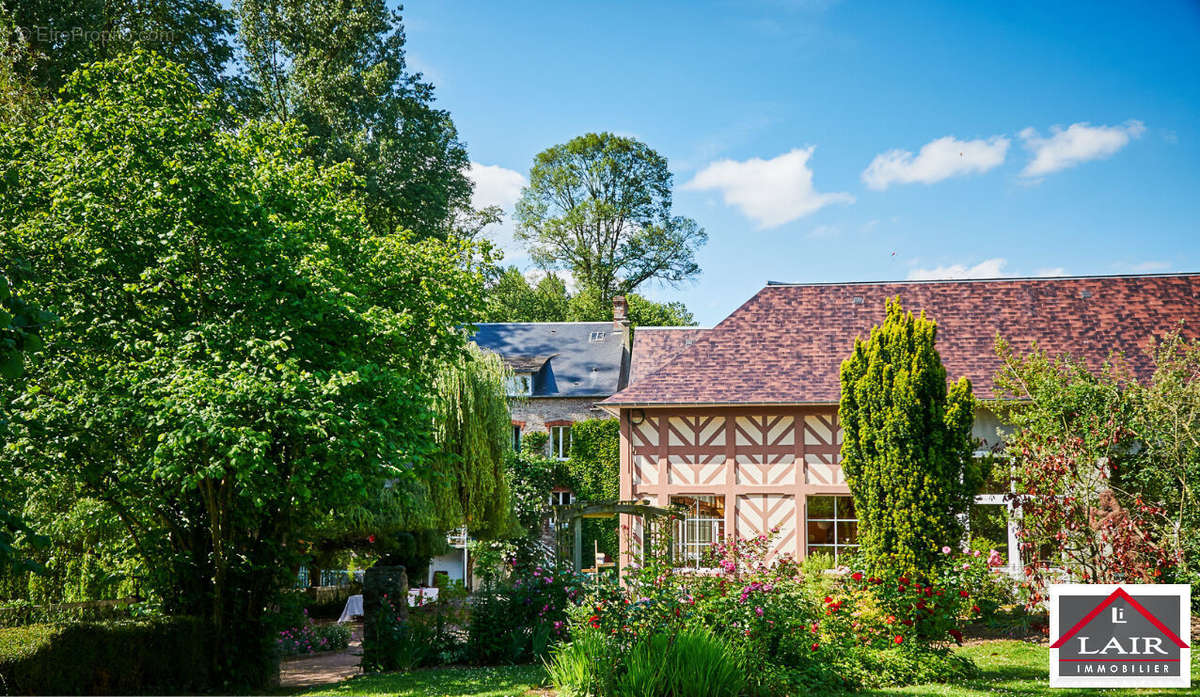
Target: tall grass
690,663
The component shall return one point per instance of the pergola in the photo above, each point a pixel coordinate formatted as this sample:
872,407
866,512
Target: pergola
572,514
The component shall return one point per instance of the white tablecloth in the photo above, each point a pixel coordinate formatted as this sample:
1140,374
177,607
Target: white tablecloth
416,598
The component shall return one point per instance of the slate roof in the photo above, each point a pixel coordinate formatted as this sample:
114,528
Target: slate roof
653,347
785,345
570,363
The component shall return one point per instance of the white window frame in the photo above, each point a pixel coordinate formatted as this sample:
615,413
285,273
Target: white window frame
1014,565
837,548
560,441
562,498
689,551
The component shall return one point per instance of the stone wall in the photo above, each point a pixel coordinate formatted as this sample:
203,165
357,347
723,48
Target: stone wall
536,411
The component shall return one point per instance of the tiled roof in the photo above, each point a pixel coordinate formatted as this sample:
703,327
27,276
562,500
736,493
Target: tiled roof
573,359
654,346
786,344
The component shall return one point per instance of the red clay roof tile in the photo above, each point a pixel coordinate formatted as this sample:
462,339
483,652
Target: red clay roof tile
653,347
786,344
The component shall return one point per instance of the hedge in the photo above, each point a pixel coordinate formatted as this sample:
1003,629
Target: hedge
166,656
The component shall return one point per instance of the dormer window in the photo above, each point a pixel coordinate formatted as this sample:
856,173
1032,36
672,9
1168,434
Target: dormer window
595,337
520,385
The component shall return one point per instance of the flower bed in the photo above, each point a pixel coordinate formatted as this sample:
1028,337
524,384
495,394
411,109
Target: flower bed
783,629
309,638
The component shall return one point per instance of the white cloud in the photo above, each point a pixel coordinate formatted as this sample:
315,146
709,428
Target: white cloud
1052,271
1075,144
938,159
824,232
770,192
989,268
498,186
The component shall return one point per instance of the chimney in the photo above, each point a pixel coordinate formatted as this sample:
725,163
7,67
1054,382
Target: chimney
620,313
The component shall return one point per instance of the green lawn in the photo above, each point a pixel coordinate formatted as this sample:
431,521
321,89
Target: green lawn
1018,668
1009,668
502,681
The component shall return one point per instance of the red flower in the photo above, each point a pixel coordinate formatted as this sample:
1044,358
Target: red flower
371,539
964,594
907,622
958,638
856,576
904,580
975,609
899,639
828,599
814,627
814,647
900,588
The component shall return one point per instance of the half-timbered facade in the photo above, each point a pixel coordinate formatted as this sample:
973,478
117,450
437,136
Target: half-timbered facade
739,426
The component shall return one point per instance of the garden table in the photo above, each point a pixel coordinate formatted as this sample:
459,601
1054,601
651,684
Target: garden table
416,598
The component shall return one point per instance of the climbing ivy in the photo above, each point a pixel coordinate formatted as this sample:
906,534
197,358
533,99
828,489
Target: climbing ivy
594,472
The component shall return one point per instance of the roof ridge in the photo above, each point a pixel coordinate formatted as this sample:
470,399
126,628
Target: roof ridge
994,279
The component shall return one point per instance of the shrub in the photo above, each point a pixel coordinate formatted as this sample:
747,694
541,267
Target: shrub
519,620
309,638
907,447
165,656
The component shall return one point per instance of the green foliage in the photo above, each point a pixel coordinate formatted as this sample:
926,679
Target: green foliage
74,33
473,437
535,443
157,657
412,549
309,638
340,71
236,355
690,663
907,447
1104,466
511,298
600,207
519,619
594,469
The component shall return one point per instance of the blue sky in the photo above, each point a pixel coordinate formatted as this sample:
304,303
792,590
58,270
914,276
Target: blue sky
840,141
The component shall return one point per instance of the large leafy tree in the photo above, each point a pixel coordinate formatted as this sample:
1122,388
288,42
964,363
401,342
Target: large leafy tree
907,447
237,352
600,206
20,326
512,298
473,437
67,34
339,69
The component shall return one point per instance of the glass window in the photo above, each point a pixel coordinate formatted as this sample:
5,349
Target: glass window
703,524
560,442
520,385
516,438
832,525
561,498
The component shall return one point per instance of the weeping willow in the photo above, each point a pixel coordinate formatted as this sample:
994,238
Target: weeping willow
472,431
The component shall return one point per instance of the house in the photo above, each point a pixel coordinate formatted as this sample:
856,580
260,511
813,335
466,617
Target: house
560,371
738,424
